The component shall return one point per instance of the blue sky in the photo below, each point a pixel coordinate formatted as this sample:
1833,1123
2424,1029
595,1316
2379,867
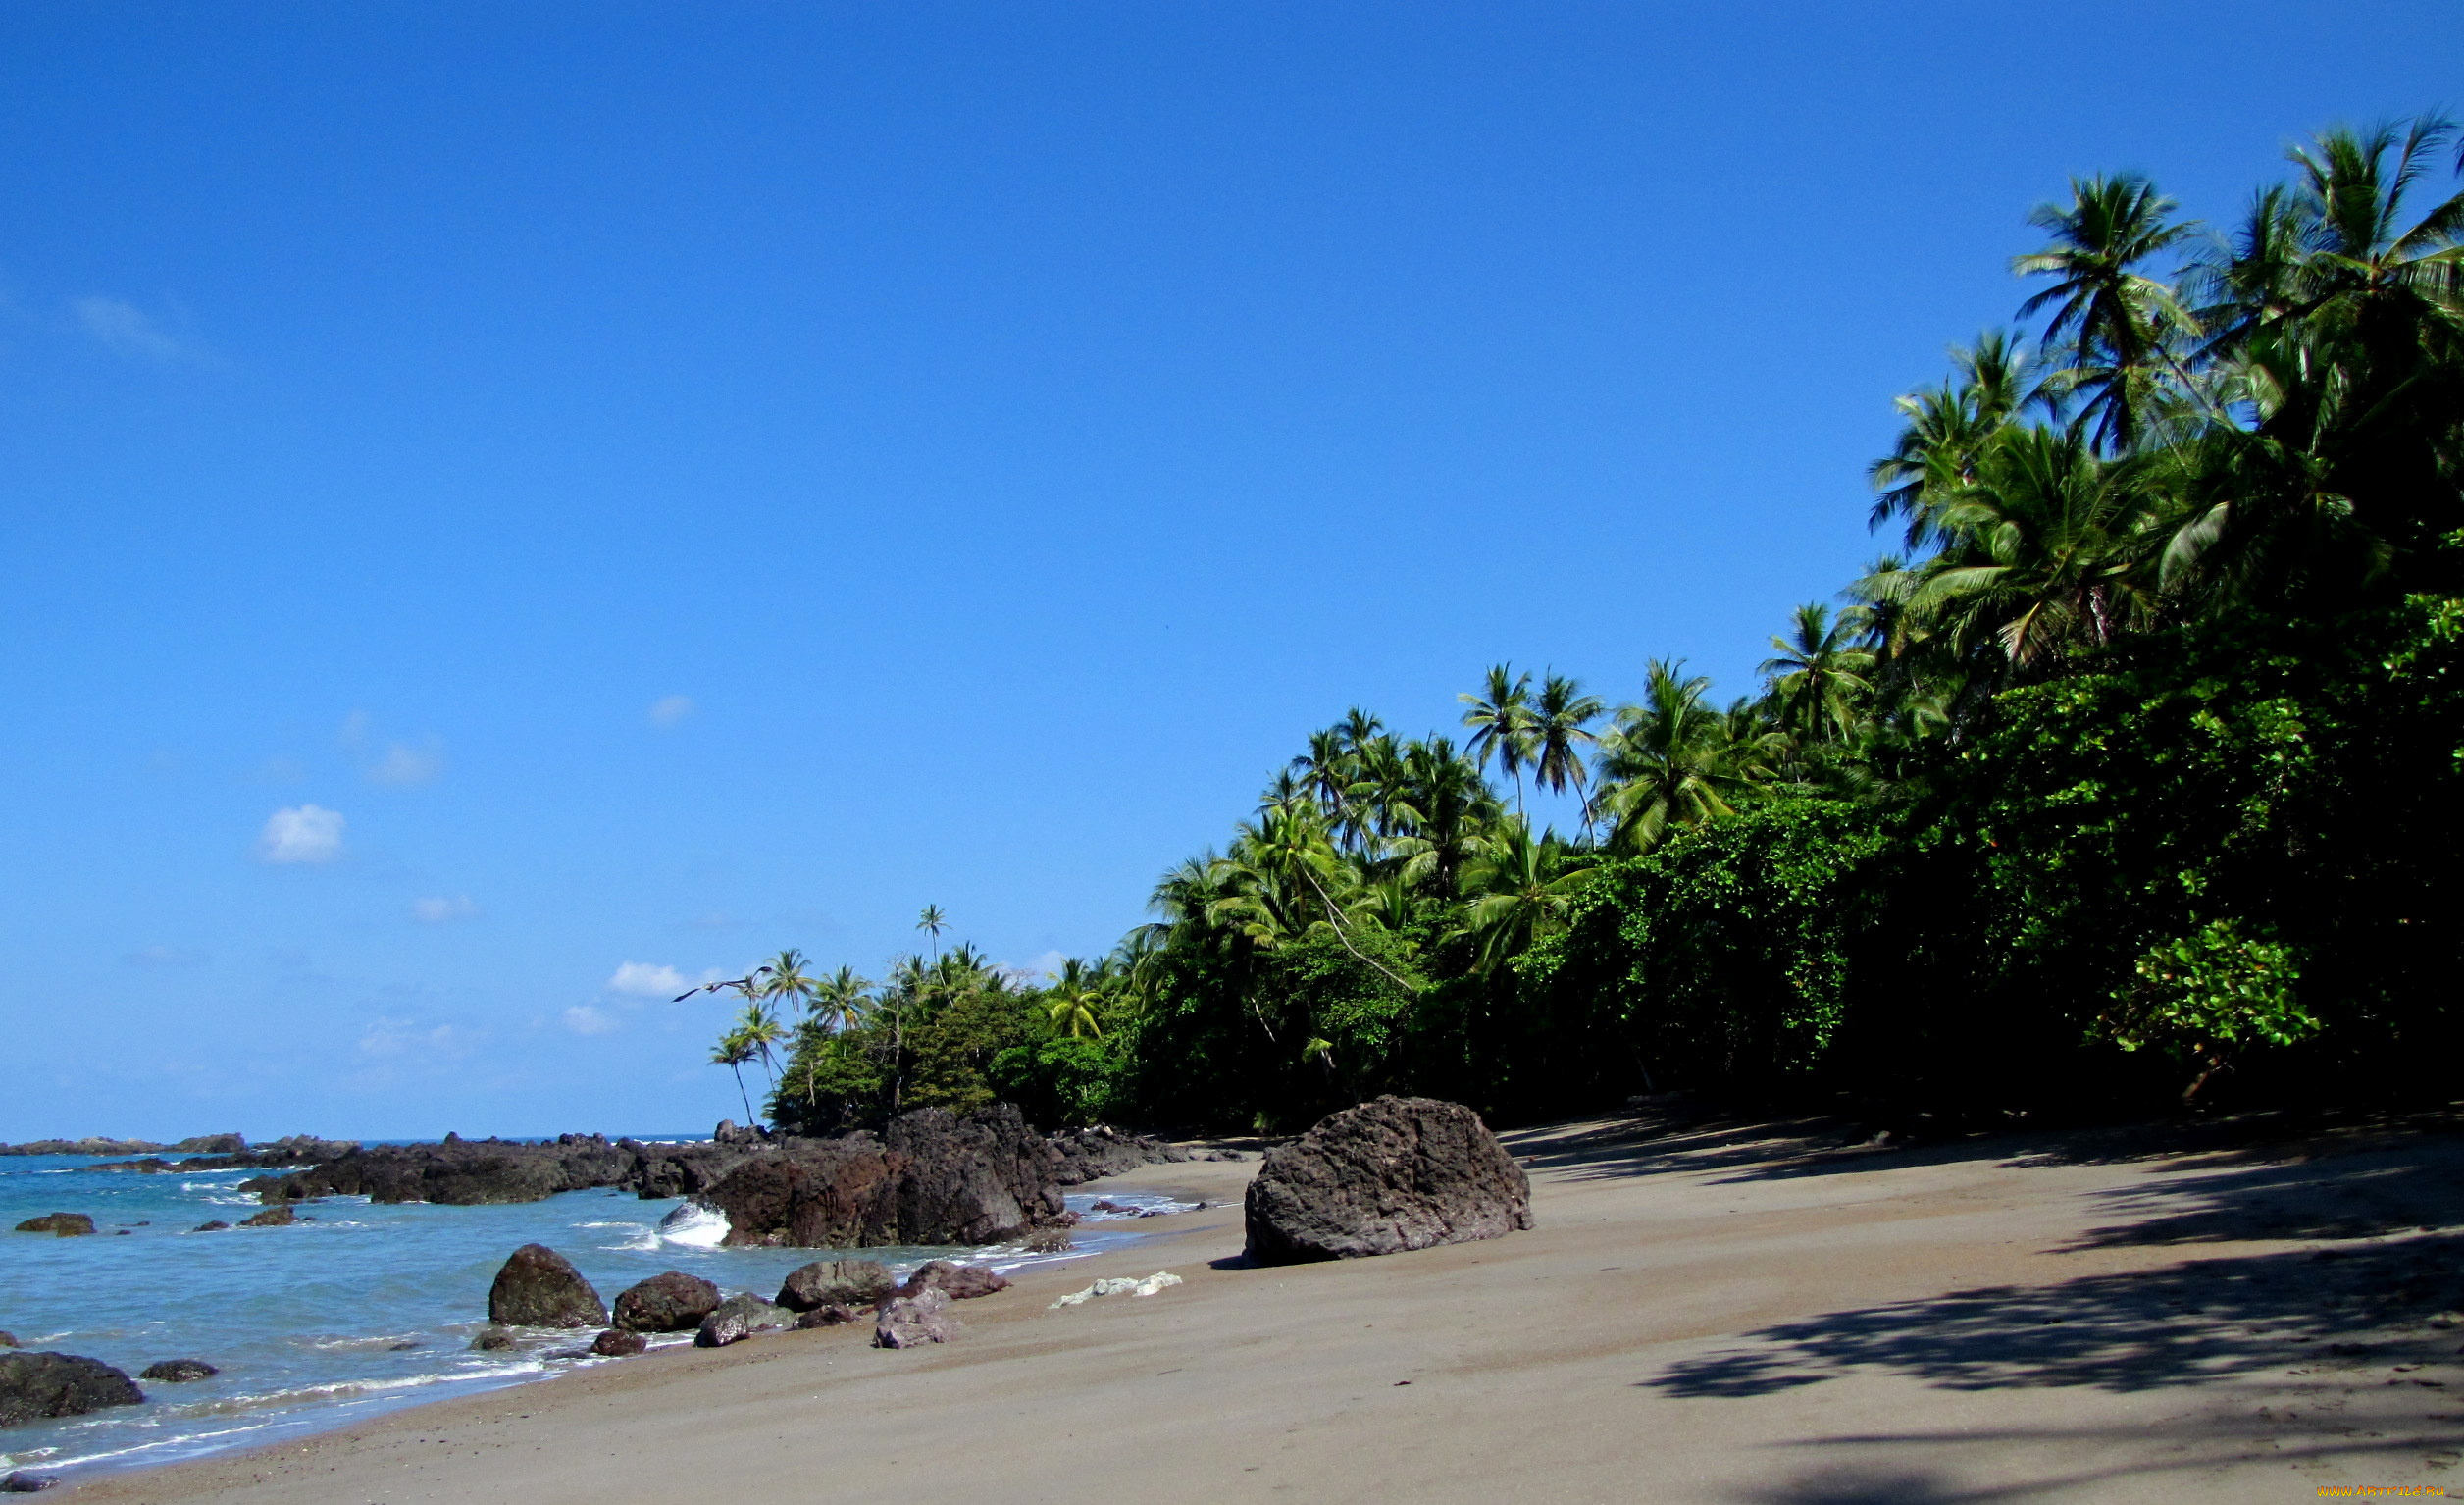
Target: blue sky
508,506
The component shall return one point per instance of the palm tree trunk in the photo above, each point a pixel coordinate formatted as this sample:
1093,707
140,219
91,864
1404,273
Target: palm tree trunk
740,1093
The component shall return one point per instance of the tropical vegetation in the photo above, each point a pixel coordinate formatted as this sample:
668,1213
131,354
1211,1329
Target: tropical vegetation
2131,774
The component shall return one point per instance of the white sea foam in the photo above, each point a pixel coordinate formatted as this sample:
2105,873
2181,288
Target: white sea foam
694,1225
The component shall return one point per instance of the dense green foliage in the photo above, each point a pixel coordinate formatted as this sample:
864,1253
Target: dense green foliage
2135,774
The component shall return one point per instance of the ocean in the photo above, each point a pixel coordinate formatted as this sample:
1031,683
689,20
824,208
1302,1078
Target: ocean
357,1308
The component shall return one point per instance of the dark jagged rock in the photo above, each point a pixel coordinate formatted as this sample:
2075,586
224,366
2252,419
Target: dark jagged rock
1089,1154
153,1166
213,1144
37,1386
961,1283
179,1371
63,1224
618,1343
21,1481
217,1225
739,1317
911,1321
836,1283
492,1340
457,1171
538,1288
8,1340
278,1216
682,1170
1390,1175
673,1302
935,1178
831,1315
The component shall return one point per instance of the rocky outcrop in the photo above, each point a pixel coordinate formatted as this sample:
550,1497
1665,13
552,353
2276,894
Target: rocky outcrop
911,1321
681,1170
538,1288
281,1217
836,1283
935,1178
492,1340
739,1317
1089,1154
211,1226
831,1315
38,1386
8,1340
94,1146
960,1282
179,1371
63,1224
462,1173
1390,1175
673,1302
618,1343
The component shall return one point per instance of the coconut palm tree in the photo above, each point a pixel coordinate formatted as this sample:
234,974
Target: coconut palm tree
1501,723
2118,328
1561,728
733,1048
1670,761
1821,674
1518,886
1074,999
837,1002
931,922
782,979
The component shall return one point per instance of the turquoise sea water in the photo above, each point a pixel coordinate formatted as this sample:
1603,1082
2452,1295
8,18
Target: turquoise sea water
363,1308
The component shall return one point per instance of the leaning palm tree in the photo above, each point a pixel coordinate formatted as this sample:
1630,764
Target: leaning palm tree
733,1048
761,1029
1501,723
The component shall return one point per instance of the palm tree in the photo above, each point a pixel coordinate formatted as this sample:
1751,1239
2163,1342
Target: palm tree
2118,327
1820,673
1947,426
1501,723
733,1048
1520,887
838,1002
760,1028
1671,761
1560,725
783,978
931,922
1074,999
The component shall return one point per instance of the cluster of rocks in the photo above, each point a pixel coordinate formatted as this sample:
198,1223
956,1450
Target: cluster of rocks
45,1386
202,1144
297,1150
931,1177
538,1288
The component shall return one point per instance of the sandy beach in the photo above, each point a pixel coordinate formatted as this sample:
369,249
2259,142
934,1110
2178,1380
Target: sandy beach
1713,1311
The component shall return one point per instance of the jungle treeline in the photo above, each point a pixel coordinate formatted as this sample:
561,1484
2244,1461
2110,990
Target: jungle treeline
2129,777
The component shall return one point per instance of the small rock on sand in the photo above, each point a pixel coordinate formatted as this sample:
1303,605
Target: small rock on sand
1119,1286
961,1283
618,1343
739,1317
911,1322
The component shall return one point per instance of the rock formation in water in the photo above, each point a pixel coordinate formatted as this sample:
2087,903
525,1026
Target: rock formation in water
1390,1175
538,1288
38,1386
63,1224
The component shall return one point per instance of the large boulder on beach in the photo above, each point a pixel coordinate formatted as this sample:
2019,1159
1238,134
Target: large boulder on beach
539,1288
1391,1175
911,1321
836,1283
960,1282
38,1386
64,1224
673,1302
933,1177
739,1317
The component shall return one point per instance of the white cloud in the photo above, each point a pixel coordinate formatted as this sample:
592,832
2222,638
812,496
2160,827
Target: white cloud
667,711
440,910
125,329
1049,965
644,979
304,833
390,1039
403,766
583,1019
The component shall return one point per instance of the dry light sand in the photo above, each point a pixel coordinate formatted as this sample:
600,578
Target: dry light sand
1715,1311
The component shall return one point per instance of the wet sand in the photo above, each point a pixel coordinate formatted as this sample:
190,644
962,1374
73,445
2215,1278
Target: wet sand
1715,1311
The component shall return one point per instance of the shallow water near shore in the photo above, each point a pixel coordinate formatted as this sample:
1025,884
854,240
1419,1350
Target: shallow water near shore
357,1308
